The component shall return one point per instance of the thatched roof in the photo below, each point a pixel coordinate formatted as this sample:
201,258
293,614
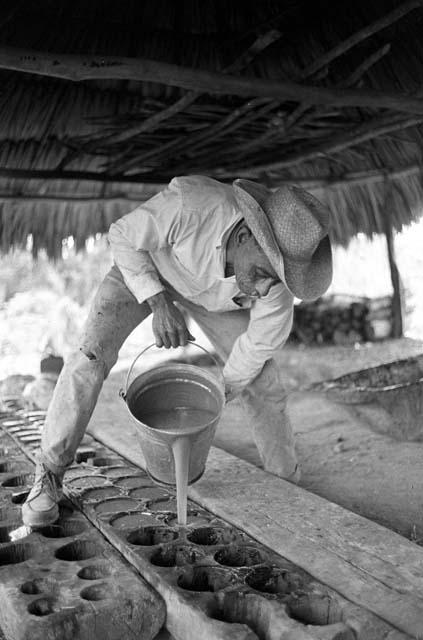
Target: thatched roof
102,102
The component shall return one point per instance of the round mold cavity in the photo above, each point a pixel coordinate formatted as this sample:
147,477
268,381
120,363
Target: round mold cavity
101,493
7,529
209,536
313,609
30,431
7,466
133,520
78,550
163,505
116,505
93,572
106,462
239,556
20,497
88,481
119,471
30,438
16,553
149,493
206,579
84,455
131,482
268,580
35,587
63,530
21,480
65,509
176,556
149,536
13,423
77,472
41,607
99,591
193,518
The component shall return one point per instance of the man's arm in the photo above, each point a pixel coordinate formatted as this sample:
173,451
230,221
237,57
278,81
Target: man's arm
268,329
149,228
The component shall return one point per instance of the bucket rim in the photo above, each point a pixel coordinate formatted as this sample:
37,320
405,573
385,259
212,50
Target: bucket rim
210,378
123,392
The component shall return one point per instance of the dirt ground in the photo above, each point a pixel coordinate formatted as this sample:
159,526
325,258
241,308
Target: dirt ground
341,458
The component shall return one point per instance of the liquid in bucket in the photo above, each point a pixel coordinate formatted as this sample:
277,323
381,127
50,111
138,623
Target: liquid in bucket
178,418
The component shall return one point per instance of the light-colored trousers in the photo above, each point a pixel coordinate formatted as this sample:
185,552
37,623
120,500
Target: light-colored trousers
114,314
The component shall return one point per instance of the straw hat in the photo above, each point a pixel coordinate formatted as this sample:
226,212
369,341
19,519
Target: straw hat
291,226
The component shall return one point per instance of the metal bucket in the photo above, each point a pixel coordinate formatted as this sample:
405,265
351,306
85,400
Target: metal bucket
189,400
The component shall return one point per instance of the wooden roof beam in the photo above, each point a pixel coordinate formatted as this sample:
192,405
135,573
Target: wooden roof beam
95,67
359,36
313,182
357,135
151,123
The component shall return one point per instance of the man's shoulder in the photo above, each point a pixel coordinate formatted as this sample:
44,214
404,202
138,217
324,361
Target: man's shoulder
202,191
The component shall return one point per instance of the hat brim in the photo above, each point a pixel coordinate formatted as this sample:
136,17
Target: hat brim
309,280
258,222
305,280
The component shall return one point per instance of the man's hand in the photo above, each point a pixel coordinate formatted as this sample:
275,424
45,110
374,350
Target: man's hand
169,327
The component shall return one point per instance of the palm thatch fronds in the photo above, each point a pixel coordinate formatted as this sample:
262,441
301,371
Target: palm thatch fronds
321,94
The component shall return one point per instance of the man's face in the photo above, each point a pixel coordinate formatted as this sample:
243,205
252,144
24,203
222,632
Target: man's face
253,272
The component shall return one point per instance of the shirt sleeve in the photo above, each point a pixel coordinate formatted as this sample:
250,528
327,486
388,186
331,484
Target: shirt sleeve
134,237
269,327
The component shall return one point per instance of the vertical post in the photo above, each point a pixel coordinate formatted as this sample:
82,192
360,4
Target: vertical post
397,324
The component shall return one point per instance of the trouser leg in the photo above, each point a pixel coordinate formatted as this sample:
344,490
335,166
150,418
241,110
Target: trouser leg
263,401
114,314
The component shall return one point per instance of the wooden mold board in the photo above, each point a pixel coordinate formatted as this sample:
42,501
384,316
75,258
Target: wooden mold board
368,564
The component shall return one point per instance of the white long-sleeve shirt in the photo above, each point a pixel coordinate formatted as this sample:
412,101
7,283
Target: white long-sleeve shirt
180,236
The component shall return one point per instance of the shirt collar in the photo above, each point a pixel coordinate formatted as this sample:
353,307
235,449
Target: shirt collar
221,247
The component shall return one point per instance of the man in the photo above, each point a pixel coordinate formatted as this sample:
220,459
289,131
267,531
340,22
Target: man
234,256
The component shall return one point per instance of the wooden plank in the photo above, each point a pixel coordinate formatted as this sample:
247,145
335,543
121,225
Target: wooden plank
365,562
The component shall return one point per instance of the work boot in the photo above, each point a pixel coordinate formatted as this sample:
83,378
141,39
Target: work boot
41,506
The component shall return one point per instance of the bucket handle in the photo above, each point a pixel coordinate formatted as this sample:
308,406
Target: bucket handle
124,391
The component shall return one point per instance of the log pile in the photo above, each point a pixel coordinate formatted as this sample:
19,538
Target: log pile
341,319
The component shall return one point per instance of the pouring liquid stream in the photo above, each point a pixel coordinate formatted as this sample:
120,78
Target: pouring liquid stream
173,421
181,449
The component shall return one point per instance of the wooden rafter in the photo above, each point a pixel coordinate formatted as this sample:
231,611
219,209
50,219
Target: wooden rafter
316,182
191,143
248,112
151,123
361,35
356,135
95,67
299,114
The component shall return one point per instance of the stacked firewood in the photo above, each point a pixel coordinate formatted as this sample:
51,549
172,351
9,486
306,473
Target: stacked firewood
339,319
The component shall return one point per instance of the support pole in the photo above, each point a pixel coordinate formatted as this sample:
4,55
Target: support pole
397,320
